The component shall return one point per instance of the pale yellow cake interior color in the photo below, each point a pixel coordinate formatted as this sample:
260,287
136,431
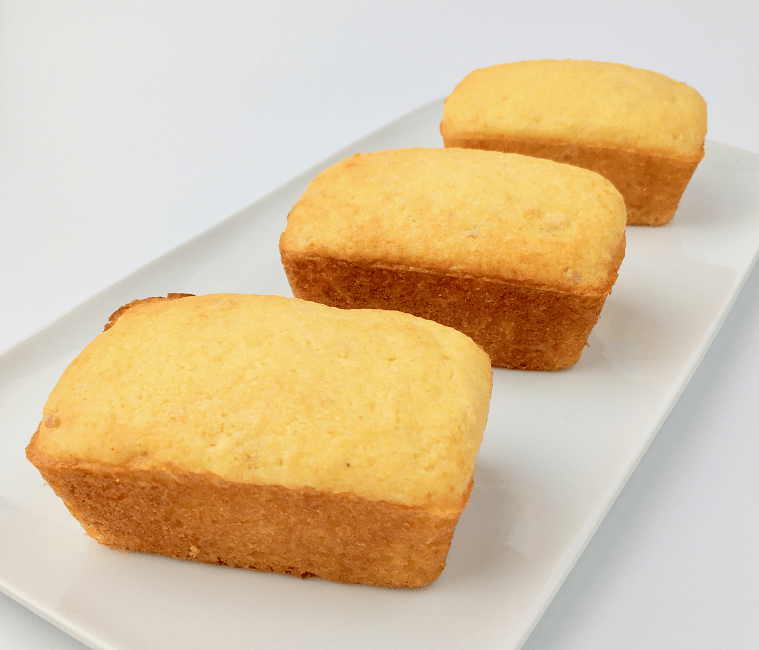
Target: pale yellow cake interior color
583,102
464,211
270,390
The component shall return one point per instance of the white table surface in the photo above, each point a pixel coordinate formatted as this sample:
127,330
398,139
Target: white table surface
125,130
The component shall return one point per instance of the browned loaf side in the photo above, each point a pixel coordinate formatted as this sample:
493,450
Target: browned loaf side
522,326
301,532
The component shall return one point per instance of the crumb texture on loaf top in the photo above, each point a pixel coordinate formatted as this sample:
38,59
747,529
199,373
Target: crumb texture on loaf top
276,391
464,211
589,103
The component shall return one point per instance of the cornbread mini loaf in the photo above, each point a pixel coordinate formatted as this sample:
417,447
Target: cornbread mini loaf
270,433
519,253
641,130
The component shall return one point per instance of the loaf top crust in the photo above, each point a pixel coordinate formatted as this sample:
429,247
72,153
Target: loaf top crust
465,211
590,103
276,391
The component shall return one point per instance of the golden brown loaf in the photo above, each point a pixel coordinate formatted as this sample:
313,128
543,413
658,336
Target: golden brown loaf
641,130
270,433
519,253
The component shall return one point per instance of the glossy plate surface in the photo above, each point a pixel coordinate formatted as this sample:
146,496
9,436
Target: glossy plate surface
558,447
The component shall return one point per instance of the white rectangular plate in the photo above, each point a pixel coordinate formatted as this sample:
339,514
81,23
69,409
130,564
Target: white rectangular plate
558,447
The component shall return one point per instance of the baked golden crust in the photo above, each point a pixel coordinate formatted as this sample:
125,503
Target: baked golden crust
270,433
463,211
516,252
273,390
641,130
301,532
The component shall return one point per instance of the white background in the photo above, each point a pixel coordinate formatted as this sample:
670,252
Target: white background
127,128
